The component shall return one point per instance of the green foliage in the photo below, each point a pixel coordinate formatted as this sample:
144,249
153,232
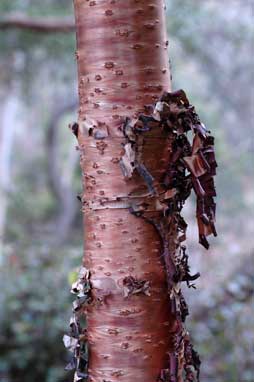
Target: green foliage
36,309
224,339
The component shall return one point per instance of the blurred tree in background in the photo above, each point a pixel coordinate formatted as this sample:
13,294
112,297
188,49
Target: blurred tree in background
40,223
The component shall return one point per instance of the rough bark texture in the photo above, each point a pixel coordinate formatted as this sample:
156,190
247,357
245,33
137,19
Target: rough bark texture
134,159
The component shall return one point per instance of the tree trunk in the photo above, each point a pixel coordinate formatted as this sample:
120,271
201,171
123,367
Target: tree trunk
130,279
122,66
9,110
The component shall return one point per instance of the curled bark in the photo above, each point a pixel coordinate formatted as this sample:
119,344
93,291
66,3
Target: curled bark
76,340
190,166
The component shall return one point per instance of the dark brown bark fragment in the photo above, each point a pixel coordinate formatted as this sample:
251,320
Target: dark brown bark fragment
76,340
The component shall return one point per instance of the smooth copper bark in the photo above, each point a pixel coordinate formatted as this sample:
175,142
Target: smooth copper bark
122,66
122,57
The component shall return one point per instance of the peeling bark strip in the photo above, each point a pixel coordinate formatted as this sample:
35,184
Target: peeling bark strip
176,116
76,340
136,161
190,166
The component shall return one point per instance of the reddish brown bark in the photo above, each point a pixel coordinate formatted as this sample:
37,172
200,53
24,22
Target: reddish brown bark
122,66
138,169
122,58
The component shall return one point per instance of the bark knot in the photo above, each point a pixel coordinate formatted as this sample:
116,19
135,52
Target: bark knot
132,286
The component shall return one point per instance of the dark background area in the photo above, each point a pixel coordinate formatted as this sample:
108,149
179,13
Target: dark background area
211,52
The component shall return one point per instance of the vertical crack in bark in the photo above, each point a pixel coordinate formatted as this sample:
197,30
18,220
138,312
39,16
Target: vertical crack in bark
191,166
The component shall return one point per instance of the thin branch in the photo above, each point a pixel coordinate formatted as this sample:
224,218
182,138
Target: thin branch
66,201
38,24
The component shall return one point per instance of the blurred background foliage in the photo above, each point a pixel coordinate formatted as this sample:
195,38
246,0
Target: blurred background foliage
211,50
